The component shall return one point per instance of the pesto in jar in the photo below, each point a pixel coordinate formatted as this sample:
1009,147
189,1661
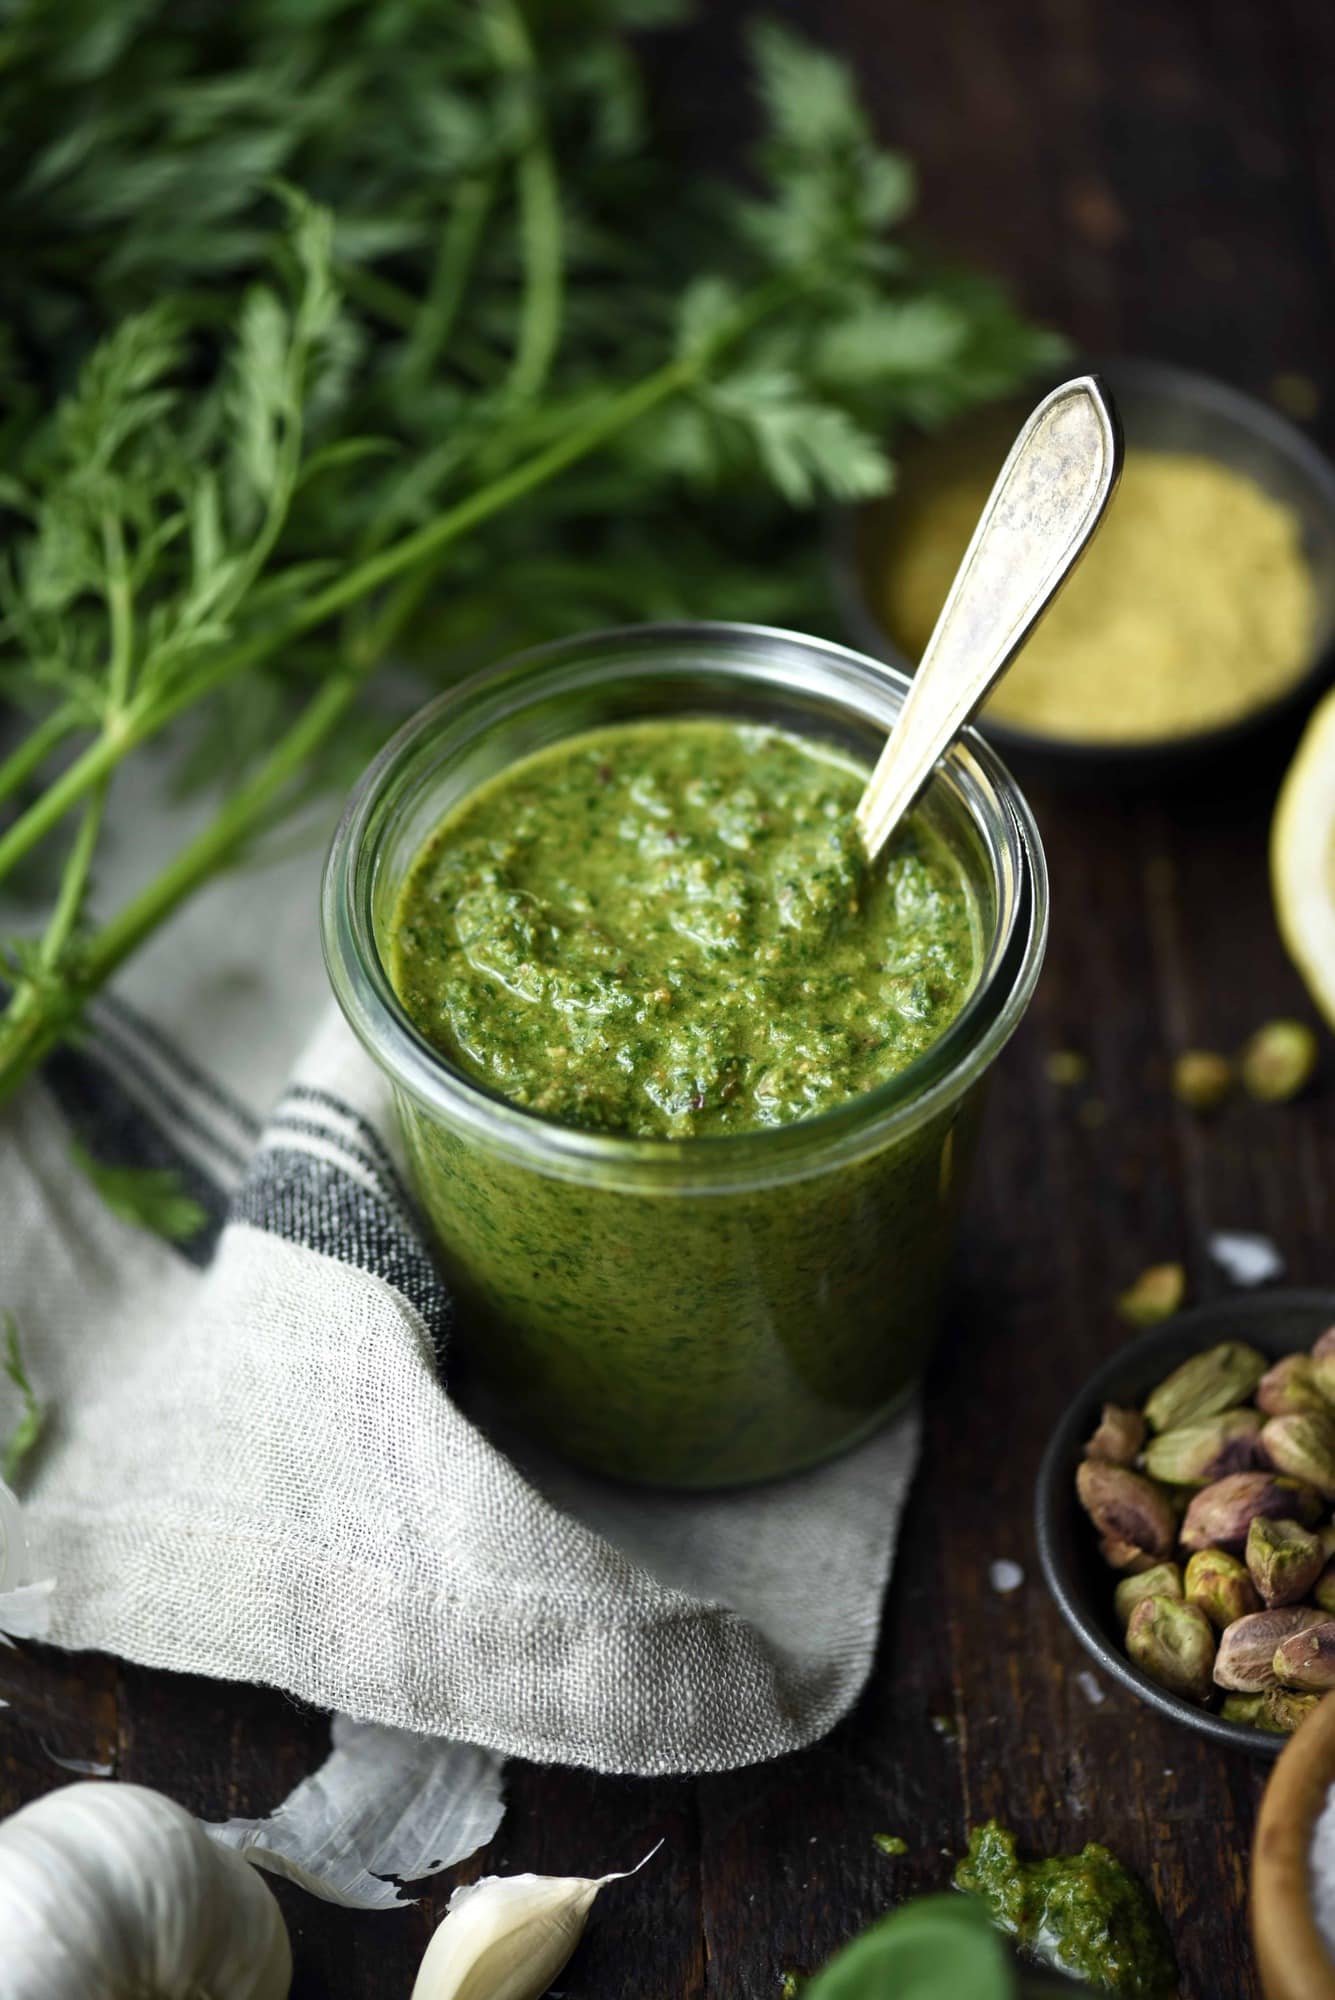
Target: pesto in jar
666,931
669,930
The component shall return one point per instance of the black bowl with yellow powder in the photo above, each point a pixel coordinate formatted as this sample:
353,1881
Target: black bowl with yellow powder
1204,606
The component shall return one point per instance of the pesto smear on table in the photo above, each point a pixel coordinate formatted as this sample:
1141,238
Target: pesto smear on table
1083,1913
668,928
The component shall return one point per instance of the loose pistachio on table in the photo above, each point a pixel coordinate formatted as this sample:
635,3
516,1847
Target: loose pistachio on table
1278,1061
1214,1502
1202,1079
1156,1294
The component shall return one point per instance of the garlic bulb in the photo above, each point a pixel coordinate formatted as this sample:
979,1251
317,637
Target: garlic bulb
507,1936
112,1892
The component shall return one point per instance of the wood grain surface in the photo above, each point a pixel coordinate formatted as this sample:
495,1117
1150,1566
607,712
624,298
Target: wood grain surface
1153,176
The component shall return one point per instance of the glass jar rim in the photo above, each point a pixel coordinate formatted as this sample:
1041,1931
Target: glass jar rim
755,655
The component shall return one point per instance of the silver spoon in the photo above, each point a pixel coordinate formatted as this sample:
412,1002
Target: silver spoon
1047,502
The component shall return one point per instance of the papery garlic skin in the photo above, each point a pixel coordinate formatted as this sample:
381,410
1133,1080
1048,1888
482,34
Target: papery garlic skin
112,1892
25,1605
507,1936
13,1540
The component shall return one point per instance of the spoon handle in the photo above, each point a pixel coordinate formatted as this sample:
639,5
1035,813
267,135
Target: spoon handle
1043,509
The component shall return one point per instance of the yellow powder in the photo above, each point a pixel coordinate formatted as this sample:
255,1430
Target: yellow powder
1193,606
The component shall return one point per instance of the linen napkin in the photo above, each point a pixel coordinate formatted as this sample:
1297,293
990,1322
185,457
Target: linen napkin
255,1467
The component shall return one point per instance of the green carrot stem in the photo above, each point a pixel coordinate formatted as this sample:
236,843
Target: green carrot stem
146,717
42,1012
46,736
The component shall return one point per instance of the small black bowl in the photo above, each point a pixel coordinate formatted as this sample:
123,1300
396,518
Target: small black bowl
1276,1323
1161,408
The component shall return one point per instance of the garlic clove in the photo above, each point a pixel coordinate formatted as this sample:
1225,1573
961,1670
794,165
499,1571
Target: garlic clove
508,1936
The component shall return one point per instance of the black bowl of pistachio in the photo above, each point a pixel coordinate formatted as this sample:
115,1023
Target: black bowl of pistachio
1184,1516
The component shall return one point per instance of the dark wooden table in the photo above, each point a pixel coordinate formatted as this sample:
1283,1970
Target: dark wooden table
1151,175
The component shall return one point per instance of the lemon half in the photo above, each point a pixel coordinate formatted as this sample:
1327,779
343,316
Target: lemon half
1302,858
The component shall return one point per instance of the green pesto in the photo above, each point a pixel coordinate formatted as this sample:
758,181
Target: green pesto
664,930
668,930
1082,1913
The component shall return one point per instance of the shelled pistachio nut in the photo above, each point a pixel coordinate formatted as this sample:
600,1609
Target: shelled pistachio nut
1204,1385
1125,1556
1284,1560
1119,1436
1156,1295
1197,1454
1306,1659
1303,1445
1164,1580
1283,1711
1220,1515
1126,1508
1202,1079
1245,1661
1220,1586
1172,1642
1290,1387
1278,1710
1323,1590
1322,1358
1278,1061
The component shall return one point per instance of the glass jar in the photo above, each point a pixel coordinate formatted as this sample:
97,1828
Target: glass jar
704,1311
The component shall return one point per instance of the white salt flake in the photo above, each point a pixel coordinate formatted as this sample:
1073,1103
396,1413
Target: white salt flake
1245,1258
1090,1688
384,1802
1321,1867
1005,1575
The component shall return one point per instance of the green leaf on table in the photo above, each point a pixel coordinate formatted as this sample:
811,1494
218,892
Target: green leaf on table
936,1948
149,1197
32,1421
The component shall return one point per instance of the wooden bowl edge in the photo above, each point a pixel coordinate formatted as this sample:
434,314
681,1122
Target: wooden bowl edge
1291,1955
